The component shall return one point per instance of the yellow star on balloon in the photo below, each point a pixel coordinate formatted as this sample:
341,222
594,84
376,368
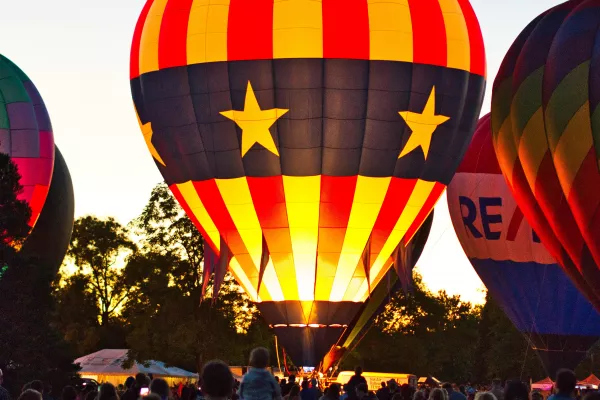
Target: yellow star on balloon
255,123
422,125
147,132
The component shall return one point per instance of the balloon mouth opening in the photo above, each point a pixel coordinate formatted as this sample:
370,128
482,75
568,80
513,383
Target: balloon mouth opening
308,326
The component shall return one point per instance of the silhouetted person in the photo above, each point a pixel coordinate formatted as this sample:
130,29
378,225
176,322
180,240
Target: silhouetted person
133,393
288,386
453,394
383,393
107,391
160,387
516,390
4,395
217,381
30,394
333,392
259,383
438,394
68,393
565,385
354,381
497,389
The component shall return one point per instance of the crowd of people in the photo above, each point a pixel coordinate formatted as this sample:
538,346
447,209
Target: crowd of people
217,383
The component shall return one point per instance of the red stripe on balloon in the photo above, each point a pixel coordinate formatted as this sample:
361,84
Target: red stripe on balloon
514,225
429,33
172,41
337,197
393,205
346,29
179,197
250,30
477,46
268,197
554,205
584,203
134,62
433,198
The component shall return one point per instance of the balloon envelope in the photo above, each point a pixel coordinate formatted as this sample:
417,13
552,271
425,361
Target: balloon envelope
520,274
307,139
544,119
26,134
51,236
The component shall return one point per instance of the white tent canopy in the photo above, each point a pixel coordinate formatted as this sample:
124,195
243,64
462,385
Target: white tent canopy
106,366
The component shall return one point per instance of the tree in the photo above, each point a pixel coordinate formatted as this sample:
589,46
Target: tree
30,345
508,354
14,213
168,317
97,246
421,333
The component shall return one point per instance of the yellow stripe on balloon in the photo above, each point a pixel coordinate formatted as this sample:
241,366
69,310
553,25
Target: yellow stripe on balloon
240,276
533,147
391,35
457,35
418,197
297,29
207,31
302,195
572,147
190,195
368,199
150,35
236,196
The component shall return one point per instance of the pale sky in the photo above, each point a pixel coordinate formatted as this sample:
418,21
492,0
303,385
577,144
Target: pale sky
77,54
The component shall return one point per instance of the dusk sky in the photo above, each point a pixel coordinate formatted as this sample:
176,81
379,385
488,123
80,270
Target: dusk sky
77,54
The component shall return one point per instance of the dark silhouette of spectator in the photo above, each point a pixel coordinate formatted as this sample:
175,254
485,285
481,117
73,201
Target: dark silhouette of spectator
333,392
453,394
107,391
38,386
288,386
133,393
259,383
497,389
30,394
4,395
592,396
354,381
68,393
516,390
565,385
294,393
438,394
217,381
383,393
362,391
160,387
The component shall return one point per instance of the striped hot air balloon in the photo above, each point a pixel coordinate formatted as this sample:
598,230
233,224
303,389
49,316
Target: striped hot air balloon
26,135
545,124
307,138
507,254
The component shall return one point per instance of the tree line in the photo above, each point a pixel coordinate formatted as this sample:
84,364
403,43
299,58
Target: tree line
140,287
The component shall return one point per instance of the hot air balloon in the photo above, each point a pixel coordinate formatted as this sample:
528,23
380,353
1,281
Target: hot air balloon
520,274
307,138
544,120
400,279
51,236
26,134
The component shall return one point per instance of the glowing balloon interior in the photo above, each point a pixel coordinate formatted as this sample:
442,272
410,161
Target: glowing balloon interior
306,138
